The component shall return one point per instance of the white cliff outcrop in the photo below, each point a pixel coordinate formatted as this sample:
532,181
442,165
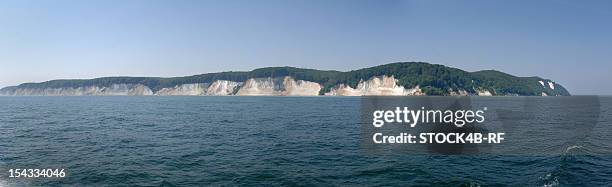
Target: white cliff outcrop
300,87
375,86
409,78
185,89
223,87
261,86
286,86
140,89
551,85
114,89
277,86
483,92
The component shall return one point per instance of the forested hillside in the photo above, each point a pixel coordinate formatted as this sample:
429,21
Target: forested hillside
431,78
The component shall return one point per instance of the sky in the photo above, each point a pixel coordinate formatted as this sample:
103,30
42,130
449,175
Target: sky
569,42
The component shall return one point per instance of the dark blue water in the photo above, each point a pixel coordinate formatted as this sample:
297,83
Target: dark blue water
292,141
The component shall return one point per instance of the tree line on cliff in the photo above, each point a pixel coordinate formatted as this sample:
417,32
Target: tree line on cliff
433,79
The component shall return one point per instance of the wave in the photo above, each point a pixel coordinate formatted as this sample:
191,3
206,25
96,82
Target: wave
572,147
550,180
572,163
3,183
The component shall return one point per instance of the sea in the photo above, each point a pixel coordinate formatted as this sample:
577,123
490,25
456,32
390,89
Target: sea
270,141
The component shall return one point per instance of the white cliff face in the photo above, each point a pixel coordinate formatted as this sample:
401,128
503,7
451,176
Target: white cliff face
258,87
548,84
279,87
265,86
140,90
483,92
551,85
90,90
115,89
375,86
222,87
185,89
300,87
126,89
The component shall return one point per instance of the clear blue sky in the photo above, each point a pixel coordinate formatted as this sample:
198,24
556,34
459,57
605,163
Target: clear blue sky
567,41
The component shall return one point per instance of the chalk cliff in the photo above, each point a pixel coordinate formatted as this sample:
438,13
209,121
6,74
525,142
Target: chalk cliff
395,79
375,86
285,86
262,86
282,86
185,89
223,87
300,87
114,89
